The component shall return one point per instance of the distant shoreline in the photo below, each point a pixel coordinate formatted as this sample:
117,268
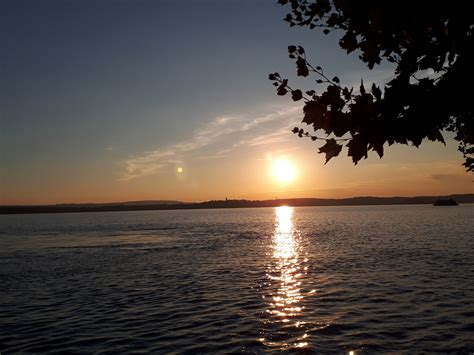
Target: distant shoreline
176,205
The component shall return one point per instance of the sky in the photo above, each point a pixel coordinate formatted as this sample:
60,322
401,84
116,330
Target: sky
104,101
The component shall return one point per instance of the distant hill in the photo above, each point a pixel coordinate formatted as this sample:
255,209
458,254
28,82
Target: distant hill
174,205
127,203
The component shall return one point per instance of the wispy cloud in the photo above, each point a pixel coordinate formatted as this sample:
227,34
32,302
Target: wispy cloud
381,77
277,136
375,76
230,132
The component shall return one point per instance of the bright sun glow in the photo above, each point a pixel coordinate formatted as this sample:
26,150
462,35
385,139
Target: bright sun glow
283,170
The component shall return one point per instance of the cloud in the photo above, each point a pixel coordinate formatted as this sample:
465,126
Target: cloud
375,76
228,132
278,136
381,77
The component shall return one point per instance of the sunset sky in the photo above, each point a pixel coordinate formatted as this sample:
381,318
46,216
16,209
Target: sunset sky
104,101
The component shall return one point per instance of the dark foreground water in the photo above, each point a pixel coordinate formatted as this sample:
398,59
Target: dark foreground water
323,279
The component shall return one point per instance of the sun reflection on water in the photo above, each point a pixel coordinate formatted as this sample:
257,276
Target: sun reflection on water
286,273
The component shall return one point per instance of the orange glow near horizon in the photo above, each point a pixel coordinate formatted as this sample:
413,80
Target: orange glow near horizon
258,173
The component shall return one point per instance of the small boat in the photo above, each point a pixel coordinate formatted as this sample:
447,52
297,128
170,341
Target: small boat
449,202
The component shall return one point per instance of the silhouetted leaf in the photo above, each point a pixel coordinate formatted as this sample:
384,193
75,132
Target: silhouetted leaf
378,147
436,135
282,88
313,113
348,42
347,94
362,88
332,98
302,68
296,95
376,92
282,91
331,149
357,148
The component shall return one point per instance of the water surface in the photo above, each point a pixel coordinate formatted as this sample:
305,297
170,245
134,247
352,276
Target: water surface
317,279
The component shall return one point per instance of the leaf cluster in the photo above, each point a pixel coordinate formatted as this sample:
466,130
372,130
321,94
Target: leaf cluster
435,37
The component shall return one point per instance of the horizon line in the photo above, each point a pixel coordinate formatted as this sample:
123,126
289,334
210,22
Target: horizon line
171,201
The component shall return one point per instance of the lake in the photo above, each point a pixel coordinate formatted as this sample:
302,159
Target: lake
353,279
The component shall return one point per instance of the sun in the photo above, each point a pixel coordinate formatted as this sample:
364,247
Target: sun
283,170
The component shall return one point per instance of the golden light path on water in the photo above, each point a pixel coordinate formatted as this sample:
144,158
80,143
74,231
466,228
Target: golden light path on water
287,271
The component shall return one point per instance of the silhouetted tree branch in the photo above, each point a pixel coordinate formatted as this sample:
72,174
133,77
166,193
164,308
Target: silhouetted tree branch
418,36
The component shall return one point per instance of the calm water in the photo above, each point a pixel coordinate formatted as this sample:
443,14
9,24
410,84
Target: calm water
314,279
